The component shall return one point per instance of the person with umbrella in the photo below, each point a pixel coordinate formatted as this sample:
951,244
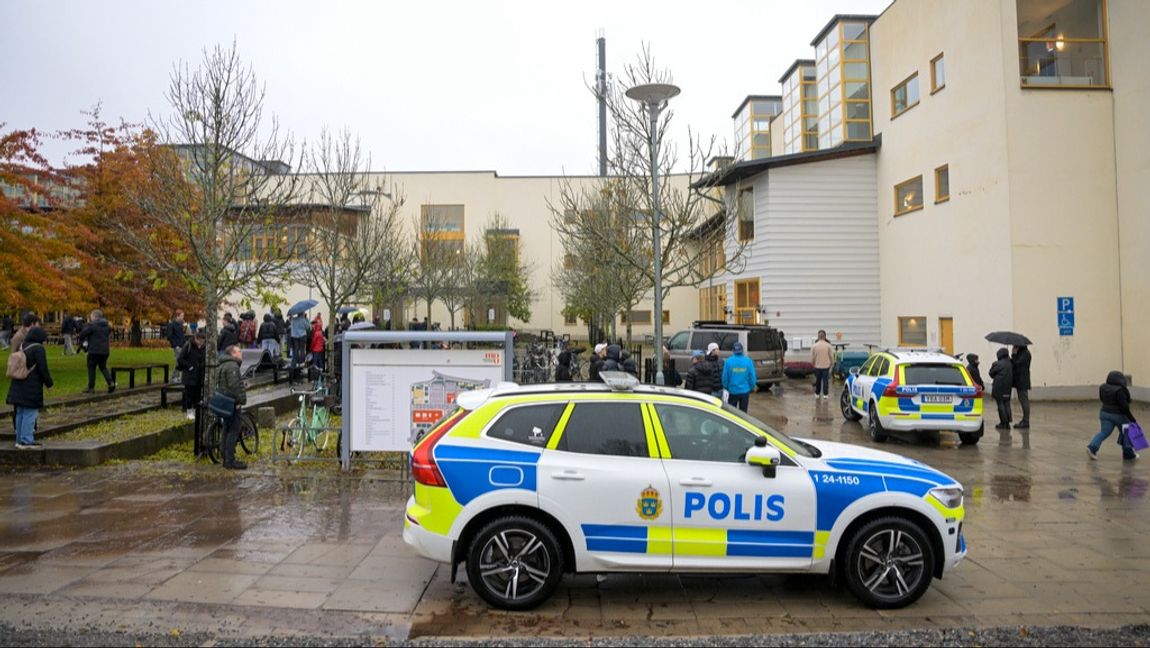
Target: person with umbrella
1002,373
299,331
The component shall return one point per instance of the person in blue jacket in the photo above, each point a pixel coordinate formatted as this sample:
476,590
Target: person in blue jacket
739,378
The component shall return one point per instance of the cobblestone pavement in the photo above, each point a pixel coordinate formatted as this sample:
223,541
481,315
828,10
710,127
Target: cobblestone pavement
149,549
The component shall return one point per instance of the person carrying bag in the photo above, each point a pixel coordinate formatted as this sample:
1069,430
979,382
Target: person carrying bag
226,401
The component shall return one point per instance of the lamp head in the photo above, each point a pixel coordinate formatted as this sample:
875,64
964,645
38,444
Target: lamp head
653,93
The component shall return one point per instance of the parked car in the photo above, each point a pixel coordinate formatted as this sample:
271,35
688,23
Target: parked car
527,483
765,346
913,390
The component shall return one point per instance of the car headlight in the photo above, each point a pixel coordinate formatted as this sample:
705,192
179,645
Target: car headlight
948,496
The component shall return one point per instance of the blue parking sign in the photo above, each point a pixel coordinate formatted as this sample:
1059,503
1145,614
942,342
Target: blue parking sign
1065,316
1065,304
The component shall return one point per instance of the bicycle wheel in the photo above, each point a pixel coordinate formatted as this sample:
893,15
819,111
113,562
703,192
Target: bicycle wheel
214,438
249,435
320,420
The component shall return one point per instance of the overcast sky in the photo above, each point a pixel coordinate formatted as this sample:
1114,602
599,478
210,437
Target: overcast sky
427,85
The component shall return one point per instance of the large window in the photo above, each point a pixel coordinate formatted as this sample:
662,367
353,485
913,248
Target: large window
937,74
636,317
606,429
530,425
912,331
1062,43
904,96
747,301
441,230
908,196
711,302
942,183
746,211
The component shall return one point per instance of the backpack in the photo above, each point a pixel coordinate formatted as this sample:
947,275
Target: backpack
247,332
18,368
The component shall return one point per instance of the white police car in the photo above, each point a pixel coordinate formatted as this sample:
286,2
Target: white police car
524,484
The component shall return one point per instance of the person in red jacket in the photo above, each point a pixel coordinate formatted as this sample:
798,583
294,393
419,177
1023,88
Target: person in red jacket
316,342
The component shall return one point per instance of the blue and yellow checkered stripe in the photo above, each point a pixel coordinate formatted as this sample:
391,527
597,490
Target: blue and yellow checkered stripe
623,538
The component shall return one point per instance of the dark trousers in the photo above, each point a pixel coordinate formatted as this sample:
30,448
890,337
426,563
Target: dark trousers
741,401
822,381
98,360
1003,410
192,394
231,436
1024,400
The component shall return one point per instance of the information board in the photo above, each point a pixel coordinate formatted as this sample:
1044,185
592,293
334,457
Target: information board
397,393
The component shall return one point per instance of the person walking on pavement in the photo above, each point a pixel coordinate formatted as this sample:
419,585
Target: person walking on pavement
68,331
972,369
26,395
97,337
1020,358
1002,373
176,339
714,369
299,329
229,382
739,378
822,357
1115,413
192,362
317,343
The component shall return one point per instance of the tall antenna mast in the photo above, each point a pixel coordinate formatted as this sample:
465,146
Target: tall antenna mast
601,90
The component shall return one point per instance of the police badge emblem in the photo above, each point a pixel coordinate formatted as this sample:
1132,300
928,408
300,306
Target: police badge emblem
650,506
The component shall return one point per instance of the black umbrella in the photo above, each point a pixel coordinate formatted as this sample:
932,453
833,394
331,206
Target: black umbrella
302,307
1009,338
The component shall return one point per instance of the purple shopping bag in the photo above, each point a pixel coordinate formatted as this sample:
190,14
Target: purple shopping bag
1136,436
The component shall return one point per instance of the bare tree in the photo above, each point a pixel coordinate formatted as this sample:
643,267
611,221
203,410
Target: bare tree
461,276
355,230
438,256
220,184
690,217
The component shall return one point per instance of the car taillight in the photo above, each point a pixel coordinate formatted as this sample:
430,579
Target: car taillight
891,390
423,467
977,392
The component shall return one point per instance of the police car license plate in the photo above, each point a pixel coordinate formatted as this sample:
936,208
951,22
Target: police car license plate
935,398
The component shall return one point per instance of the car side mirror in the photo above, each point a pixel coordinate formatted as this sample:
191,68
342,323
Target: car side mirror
767,456
854,371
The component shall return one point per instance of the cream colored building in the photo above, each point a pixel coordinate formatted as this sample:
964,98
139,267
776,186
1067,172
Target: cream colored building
470,199
1011,171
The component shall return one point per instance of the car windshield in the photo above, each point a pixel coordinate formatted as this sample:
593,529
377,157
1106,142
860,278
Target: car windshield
804,449
933,374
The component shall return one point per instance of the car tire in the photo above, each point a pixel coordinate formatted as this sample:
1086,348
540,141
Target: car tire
889,563
971,438
849,412
878,433
510,553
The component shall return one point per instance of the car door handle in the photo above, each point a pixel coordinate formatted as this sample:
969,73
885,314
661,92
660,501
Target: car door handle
568,475
695,481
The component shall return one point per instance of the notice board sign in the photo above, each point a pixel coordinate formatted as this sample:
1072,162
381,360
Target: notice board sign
398,393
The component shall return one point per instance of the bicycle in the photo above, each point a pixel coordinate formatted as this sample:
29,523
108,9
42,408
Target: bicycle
249,439
308,428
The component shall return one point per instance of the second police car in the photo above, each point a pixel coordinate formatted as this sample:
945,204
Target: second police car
526,483
912,391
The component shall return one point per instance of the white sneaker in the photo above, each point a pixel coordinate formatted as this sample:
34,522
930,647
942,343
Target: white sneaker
1093,455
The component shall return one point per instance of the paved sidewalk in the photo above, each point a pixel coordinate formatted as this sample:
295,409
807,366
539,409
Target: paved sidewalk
1054,539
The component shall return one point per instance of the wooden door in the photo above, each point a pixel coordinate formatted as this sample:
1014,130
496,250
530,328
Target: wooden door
946,334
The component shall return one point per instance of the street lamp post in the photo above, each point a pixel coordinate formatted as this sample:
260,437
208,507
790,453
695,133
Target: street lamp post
654,97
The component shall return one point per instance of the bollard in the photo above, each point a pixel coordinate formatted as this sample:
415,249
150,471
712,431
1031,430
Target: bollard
266,417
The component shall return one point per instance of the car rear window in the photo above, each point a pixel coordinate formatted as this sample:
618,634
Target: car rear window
933,374
760,340
530,425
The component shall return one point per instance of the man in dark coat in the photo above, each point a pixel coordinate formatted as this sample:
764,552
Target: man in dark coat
972,369
698,377
1002,373
174,332
563,367
26,396
714,371
1020,358
229,333
228,381
68,331
1115,413
192,361
596,363
612,361
97,335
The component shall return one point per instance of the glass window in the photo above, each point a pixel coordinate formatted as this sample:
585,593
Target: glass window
912,331
858,110
937,74
636,317
942,183
855,52
678,342
857,71
1062,43
908,196
695,435
746,211
866,367
530,425
856,90
702,339
904,96
858,130
933,374
606,429
854,31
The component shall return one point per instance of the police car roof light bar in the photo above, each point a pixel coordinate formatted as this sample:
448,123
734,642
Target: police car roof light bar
619,380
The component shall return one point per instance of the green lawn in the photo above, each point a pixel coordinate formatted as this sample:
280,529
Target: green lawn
70,373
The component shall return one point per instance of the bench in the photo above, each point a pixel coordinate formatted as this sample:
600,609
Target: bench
166,389
132,369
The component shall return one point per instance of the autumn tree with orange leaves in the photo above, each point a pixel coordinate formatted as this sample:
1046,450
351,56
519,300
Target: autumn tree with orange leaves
41,266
